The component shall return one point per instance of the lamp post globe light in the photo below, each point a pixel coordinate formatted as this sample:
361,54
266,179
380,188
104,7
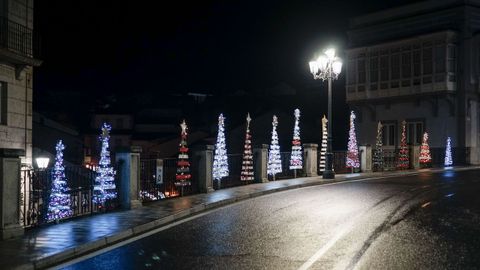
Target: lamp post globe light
327,67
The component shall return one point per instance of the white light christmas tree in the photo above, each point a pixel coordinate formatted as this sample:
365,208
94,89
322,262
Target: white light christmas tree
448,153
323,149
104,189
296,161
274,161
59,203
352,153
220,163
247,162
378,152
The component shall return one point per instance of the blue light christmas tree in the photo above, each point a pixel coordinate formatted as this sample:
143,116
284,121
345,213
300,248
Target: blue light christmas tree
104,188
274,161
448,153
59,203
220,162
296,161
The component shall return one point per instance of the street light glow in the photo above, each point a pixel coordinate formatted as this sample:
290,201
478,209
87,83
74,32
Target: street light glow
42,162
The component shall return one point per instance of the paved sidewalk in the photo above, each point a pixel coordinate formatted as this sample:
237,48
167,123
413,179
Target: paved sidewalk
49,245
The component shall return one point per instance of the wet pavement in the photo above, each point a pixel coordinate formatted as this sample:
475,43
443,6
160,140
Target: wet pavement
427,221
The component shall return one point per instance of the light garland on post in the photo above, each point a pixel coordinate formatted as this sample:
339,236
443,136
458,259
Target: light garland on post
352,153
247,161
104,189
59,199
274,160
220,160
296,161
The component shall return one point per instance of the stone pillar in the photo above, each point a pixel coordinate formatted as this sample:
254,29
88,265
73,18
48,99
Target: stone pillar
310,159
414,151
202,167
129,176
365,158
10,193
260,161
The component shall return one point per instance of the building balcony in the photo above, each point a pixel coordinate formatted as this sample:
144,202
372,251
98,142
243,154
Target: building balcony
18,44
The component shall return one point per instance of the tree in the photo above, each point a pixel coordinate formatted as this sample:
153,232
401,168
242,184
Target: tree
274,160
220,162
296,161
425,157
448,153
247,161
59,201
403,161
323,149
182,177
104,189
352,153
378,152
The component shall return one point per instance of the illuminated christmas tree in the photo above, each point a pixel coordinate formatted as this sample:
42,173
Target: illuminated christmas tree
323,149
104,188
448,153
220,162
425,157
296,161
274,160
182,177
59,201
247,162
403,161
352,153
378,152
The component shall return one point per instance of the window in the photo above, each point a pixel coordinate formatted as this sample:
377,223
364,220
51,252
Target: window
416,63
427,61
384,68
414,133
440,52
389,134
451,54
351,75
374,70
362,75
406,65
395,67
3,103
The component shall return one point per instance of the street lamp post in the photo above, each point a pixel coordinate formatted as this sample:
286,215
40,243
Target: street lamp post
327,67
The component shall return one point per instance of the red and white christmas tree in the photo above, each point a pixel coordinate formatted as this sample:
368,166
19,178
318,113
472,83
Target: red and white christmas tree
352,153
247,163
182,177
403,161
296,161
425,156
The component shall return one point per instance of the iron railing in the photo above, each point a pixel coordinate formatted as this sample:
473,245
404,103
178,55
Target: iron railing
35,192
18,38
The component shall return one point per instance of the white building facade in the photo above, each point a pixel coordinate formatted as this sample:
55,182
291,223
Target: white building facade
419,63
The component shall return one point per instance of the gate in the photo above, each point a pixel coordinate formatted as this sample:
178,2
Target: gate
155,187
35,192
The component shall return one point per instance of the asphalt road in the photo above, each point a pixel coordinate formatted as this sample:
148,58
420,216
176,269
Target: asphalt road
429,221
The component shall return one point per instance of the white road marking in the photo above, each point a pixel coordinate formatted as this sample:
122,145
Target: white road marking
315,257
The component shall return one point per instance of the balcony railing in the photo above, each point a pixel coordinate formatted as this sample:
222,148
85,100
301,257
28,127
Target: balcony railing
17,38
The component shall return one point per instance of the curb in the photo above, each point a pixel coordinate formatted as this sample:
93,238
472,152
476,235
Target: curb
70,253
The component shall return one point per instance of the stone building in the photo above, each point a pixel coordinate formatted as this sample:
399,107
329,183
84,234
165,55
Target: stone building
419,63
16,71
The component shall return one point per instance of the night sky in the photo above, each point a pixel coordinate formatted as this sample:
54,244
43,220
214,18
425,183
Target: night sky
96,50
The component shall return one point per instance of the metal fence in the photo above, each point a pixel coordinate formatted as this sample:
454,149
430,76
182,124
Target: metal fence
155,187
35,192
233,179
18,38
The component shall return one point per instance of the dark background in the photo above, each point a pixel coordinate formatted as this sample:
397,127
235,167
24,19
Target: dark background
98,52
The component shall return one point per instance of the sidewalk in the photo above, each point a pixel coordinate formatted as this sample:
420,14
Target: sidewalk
48,245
